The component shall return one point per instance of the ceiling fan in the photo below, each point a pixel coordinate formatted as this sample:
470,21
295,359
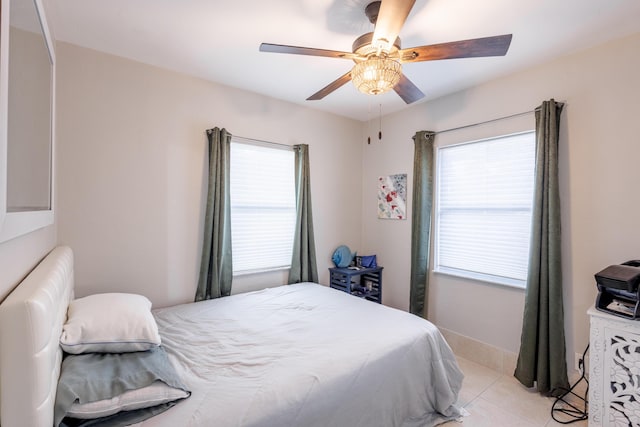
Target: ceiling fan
378,55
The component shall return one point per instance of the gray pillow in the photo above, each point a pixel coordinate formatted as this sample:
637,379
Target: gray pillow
92,385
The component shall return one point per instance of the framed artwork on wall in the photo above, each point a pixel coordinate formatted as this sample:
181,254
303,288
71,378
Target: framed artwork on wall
392,196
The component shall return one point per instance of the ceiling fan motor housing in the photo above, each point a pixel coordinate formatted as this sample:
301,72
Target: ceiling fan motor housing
363,46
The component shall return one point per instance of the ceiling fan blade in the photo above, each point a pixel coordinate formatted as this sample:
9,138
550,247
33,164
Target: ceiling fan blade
473,48
391,18
296,50
407,90
339,82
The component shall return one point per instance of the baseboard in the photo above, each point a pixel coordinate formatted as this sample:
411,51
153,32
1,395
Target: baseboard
502,361
484,354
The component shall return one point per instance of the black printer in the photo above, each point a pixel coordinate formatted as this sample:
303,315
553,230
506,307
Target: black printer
618,291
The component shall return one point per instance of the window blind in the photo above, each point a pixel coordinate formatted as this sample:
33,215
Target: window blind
484,202
263,207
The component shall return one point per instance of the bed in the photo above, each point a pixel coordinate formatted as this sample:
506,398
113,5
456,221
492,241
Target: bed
296,355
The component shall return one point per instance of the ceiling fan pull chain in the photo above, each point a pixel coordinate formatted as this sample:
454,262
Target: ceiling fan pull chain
380,125
369,120
369,124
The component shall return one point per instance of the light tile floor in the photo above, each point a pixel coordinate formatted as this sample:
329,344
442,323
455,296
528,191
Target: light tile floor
496,400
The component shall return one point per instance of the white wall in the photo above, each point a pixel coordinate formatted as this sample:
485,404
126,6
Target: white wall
599,157
20,255
132,165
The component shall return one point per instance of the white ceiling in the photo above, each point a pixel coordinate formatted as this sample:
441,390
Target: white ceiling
218,40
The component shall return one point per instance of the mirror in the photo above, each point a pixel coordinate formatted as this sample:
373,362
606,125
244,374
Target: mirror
29,112
27,88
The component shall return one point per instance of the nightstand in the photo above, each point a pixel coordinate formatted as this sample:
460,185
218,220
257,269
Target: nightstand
614,345
364,283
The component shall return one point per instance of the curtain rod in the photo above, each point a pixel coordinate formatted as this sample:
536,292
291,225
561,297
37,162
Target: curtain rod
485,122
259,141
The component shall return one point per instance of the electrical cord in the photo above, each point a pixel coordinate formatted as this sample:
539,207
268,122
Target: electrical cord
570,411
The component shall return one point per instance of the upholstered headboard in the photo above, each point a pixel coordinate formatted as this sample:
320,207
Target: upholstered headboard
31,320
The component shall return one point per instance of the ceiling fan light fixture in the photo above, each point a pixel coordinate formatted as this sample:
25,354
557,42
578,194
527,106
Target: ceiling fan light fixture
376,75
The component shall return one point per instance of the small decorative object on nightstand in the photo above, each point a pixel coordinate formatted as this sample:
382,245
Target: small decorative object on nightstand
359,281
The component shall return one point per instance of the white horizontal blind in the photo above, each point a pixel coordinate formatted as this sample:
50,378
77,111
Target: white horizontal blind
485,196
263,207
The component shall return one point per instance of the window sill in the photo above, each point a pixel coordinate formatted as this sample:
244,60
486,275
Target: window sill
485,278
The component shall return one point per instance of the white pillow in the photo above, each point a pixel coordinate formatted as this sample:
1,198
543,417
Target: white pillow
155,394
109,323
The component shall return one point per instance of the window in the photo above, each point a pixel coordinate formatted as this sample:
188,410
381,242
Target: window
483,209
263,207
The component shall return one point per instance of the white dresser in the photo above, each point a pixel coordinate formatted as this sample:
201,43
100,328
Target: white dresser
614,370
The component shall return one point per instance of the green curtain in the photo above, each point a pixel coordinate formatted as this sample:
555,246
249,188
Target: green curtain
216,271
421,221
303,259
542,358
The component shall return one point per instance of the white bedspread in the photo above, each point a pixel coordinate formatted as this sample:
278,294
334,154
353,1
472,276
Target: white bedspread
306,355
